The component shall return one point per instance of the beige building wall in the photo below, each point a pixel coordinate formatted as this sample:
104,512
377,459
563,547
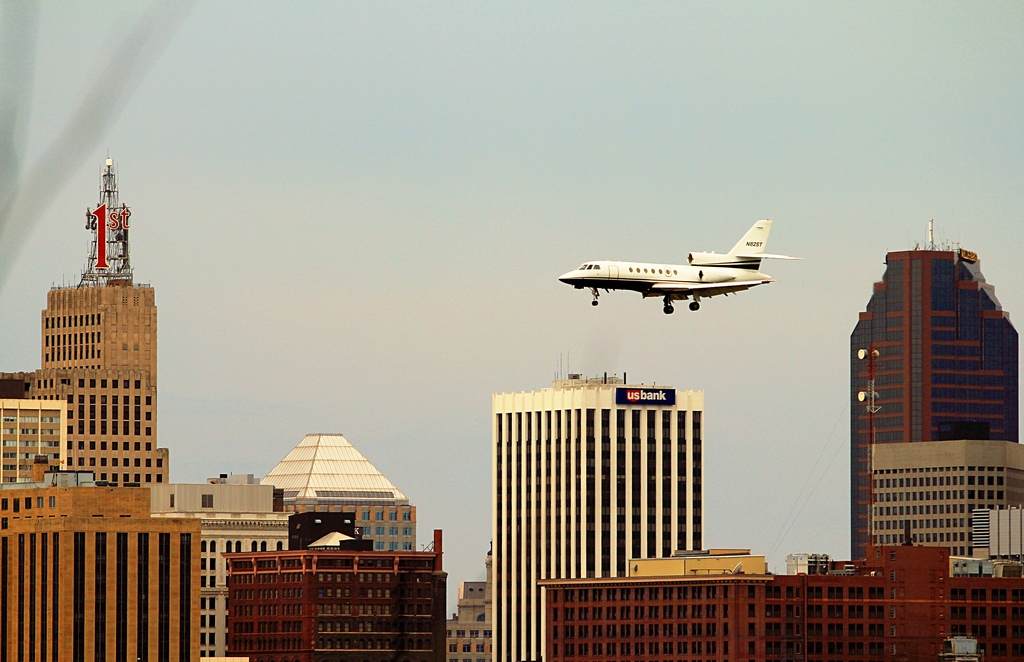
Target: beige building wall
99,357
234,518
935,486
469,631
716,562
30,428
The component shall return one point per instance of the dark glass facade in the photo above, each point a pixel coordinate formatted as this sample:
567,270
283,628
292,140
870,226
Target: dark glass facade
946,366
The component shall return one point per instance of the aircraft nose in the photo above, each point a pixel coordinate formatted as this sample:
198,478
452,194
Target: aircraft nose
566,277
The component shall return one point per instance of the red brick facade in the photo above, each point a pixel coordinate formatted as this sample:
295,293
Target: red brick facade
328,606
899,604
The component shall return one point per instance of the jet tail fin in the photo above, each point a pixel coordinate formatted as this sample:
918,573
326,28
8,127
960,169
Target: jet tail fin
754,241
746,254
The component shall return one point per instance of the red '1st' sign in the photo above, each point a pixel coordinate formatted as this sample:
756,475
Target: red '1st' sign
118,220
100,216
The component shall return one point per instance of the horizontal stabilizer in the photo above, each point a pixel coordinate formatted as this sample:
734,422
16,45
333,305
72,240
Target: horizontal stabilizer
770,256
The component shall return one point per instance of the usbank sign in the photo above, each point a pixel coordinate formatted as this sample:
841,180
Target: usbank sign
645,396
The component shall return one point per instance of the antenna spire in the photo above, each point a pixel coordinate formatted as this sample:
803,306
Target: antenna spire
109,254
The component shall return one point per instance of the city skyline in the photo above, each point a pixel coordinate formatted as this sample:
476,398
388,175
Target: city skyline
346,205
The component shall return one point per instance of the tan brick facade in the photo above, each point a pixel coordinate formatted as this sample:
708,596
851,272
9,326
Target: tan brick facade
85,569
98,352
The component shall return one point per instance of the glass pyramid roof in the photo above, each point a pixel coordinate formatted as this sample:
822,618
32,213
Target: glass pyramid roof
327,466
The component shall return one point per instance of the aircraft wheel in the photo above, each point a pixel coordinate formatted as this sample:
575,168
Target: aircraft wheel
594,302
694,305
669,309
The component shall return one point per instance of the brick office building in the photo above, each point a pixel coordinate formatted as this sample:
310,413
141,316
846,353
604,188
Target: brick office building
898,604
329,605
87,574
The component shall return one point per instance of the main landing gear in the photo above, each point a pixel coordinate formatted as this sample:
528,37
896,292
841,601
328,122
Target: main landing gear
668,306
593,291
694,305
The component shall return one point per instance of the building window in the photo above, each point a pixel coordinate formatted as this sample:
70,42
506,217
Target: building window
207,500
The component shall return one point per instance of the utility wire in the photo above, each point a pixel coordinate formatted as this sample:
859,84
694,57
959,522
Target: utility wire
787,524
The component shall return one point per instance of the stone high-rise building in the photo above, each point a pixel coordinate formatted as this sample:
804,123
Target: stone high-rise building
587,476
946,366
99,356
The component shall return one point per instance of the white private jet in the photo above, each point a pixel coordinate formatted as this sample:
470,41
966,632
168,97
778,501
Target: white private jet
706,275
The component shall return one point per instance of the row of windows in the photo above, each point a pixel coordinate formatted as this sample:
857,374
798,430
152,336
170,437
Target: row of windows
971,409
114,446
31,432
113,399
393,516
10,418
940,494
473,634
923,470
642,593
136,430
627,648
391,531
127,477
65,321
14,504
237,548
930,509
967,393
967,379
65,339
932,481
380,545
964,365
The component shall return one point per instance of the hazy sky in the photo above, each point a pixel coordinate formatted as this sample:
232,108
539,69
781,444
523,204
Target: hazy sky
354,216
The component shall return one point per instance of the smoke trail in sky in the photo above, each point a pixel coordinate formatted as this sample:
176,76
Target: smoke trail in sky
25,195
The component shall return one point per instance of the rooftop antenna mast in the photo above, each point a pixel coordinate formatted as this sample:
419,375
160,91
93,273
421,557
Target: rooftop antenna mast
869,396
109,253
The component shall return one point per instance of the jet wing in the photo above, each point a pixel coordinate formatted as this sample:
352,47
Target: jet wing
680,290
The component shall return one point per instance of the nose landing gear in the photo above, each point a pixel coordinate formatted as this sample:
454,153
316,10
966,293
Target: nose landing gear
593,291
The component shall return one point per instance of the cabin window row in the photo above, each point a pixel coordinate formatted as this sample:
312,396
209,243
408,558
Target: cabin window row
667,272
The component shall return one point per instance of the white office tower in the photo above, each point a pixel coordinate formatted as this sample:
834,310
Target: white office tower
586,476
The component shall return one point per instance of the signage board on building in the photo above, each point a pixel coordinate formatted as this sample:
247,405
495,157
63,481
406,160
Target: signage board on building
645,396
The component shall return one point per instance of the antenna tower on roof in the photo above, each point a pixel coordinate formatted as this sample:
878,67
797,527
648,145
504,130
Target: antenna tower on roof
109,255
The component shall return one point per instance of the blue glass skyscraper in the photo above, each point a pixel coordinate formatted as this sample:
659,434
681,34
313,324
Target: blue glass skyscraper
946,366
